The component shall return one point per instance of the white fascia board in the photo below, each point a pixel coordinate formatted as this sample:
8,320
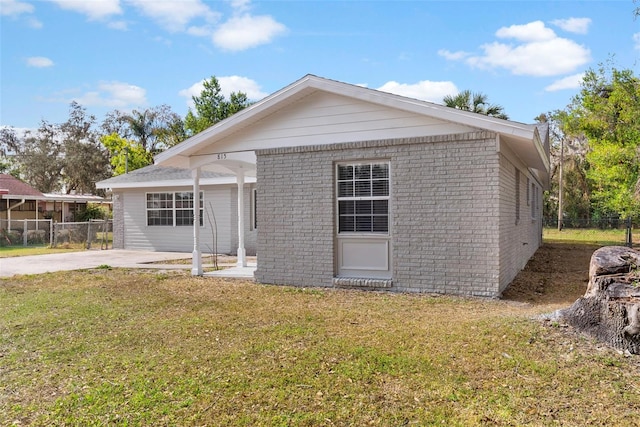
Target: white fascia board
20,197
539,144
71,198
174,183
55,198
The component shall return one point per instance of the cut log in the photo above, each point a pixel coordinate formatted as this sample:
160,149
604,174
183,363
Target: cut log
610,308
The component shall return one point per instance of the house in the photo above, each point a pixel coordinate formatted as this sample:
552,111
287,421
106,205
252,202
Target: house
153,210
364,189
20,201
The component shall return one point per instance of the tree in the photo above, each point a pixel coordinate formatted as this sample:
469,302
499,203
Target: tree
41,156
56,156
85,159
126,155
212,107
607,111
154,129
8,143
569,196
476,103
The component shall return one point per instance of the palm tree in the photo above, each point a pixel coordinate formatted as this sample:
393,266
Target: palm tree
476,103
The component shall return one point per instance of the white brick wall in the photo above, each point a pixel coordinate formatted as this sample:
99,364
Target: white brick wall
445,213
518,241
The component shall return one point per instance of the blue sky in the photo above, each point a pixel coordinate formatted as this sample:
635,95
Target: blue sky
527,56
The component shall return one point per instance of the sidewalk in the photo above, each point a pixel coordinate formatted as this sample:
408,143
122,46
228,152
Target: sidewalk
38,264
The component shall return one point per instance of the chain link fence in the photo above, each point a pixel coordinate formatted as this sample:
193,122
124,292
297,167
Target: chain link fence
25,232
92,234
610,230
45,232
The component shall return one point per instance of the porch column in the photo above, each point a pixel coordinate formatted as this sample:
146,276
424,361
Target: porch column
242,254
196,265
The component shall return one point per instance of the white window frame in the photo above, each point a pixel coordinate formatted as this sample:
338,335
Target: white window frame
171,206
356,198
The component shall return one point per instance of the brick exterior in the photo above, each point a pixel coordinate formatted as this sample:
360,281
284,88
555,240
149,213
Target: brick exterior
118,220
446,210
518,239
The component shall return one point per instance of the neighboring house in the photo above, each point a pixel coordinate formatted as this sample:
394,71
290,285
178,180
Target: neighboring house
153,210
361,188
20,201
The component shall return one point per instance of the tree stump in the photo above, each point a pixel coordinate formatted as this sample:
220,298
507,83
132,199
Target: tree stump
610,308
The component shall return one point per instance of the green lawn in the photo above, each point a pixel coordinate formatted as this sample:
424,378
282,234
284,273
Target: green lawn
120,347
13,251
589,236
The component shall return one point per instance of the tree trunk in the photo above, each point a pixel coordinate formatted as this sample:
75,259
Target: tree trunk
610,309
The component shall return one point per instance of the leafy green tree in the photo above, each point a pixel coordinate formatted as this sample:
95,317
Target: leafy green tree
607,111
212,107
126,155
474,102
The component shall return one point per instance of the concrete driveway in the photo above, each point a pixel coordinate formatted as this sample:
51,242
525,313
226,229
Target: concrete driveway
37,264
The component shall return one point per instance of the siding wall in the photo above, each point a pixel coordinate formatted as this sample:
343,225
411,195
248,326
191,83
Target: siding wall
323,118
219,201
444,212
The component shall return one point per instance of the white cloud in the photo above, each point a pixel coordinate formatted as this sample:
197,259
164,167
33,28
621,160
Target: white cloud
94,10
574,25
175,16
34,23
228,84
246,31
569,82
425,90
453,56
118,25
636,39
15,8
39,62
537,51
241,84
531,32
114,95
240,5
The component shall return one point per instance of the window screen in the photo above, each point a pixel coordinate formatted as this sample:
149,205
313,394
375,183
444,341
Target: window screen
363,198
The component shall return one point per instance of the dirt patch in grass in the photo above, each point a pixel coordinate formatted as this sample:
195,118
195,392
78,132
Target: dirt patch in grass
555,277
125,347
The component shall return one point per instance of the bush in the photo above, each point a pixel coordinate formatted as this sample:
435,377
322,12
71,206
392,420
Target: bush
92,211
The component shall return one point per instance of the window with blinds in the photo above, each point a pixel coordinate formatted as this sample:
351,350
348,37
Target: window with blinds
363,198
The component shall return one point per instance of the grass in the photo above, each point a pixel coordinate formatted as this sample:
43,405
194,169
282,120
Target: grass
589,236
14,251
135,348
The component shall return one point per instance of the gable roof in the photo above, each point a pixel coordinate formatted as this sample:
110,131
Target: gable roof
524,139
160,176
16,187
